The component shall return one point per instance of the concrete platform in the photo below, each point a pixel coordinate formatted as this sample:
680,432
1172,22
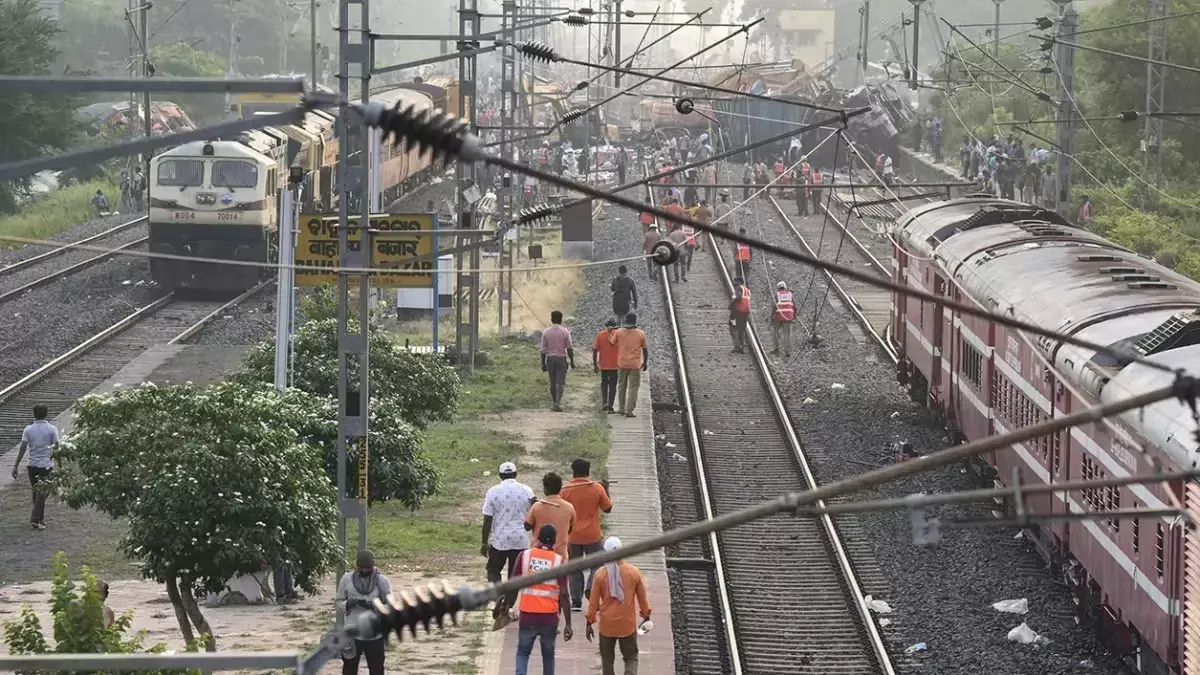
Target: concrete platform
636,515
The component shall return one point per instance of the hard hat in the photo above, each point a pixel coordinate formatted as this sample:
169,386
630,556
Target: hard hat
781,285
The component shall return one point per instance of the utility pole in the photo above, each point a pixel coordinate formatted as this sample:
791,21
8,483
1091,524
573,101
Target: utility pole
1066,94
147,71
231,63
285,298
466,334
916,48
864,34
1152,137
617,51
354,56
996,30
508,104
312,38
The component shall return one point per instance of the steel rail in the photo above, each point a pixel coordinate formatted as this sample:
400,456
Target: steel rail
71,269
875,640
847,299
692,424
22,264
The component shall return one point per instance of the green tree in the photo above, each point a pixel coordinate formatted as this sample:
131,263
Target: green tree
78,612
183,60
214,481
424,387
31,125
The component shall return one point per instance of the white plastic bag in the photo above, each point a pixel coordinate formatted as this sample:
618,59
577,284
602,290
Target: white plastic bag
1012,606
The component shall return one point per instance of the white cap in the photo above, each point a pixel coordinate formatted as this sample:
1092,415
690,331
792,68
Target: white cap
612,544
508,467
782,284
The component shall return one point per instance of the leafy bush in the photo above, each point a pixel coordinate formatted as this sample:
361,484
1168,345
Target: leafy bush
79,628
215,481
423,387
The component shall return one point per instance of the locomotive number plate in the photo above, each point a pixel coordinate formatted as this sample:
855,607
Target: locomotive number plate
229,216
183,215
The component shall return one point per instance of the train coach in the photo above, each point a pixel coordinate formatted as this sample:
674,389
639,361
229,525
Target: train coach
218,199
1139,578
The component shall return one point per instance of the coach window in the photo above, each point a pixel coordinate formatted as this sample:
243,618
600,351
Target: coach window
181,172
234,174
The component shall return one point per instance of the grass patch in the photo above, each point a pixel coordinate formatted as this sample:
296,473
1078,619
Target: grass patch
57,211
512,381
400,536
589,441
453,446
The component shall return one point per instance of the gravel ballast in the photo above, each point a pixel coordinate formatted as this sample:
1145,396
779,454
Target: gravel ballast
941,596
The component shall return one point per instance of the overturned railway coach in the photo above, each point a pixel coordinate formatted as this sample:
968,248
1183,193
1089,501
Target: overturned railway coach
219,199
1140,577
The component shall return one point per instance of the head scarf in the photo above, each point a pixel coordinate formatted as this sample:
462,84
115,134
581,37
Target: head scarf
615,587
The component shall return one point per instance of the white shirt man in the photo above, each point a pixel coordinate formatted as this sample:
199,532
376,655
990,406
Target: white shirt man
504,534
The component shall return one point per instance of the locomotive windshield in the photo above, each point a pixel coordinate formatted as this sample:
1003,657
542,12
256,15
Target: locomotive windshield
234,174
181,172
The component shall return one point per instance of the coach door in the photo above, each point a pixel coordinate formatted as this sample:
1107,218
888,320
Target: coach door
939,379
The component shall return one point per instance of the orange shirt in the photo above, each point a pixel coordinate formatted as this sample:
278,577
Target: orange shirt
618,619
589,498
556,511
607,350
630,342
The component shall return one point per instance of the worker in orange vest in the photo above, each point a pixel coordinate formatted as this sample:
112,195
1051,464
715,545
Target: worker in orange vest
741,256
739,314
647,218
814,191
782,316
539,605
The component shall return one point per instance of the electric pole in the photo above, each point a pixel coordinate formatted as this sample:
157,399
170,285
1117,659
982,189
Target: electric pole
312,39
285,299
147,71
916,48
996,30
466,334
508,104
1066,94
617,53
354,56
1152,131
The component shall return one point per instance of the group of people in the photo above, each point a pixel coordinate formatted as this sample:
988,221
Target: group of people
619,354
133,195
566,524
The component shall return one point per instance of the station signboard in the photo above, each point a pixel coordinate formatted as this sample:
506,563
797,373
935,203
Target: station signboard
394,238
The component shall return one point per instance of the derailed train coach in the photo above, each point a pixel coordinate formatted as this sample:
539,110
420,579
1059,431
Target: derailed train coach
1137,577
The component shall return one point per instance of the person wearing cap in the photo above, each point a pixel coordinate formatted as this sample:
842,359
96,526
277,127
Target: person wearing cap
739,314
633,358
617,587
590,498
357,591
552,510
651,238
540,604
604,361
783,314
504,535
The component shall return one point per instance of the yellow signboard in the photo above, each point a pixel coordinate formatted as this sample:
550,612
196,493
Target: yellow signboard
317,249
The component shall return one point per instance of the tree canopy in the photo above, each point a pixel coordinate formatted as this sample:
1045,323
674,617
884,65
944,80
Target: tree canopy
30,124
215,482
423,387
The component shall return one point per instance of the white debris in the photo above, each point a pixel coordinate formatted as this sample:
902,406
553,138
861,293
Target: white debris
884,623
878,606
810,400
669,445
895,414
919,647
678,457
1025,635
1019,534
1012,606
127,282
837,385
473,460
486,474
706,432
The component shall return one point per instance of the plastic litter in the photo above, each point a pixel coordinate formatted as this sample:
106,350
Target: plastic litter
1019,534
919,647
668,445
884,623
837,385
1025,635
678,457
646,627
878,606
706,432
1087,663
810,400
895,414
486,474
474,459
1012,606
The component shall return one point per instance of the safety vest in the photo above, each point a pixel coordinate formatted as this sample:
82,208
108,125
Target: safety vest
743,305
785,308
743,253
817,178
647,218
540,598
690,232
804,169
544,155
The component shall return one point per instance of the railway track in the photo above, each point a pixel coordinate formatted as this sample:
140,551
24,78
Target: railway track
785,587
23,276
66,378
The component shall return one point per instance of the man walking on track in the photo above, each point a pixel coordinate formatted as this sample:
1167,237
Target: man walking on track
617,587
739,314
782,316
504,536
541,604
39,439
624,293
590,499
651,238
604,361
632,358
741,256
556,350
